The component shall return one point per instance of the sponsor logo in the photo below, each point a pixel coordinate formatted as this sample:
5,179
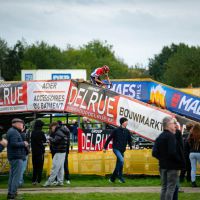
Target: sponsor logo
60,76
175,100
186,104
93,89
28,77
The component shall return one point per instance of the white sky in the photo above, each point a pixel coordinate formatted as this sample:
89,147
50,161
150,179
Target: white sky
137,29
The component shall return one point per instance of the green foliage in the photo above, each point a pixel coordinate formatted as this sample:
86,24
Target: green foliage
40,55
158,64
183,68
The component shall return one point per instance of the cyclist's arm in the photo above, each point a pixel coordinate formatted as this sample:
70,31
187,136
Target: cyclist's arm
108,79
97,80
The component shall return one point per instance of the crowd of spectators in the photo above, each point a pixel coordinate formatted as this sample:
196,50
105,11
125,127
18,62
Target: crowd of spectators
173,150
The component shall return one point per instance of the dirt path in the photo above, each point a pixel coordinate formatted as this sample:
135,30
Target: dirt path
96,189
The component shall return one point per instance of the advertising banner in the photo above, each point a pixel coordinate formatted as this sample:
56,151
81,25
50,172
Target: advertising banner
163,96
107,106
134,89
91,140
174,100
13,97
47,95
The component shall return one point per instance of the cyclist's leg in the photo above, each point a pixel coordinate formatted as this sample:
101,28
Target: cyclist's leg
92,80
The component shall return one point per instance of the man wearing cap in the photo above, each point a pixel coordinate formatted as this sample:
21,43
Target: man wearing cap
16,155
121,136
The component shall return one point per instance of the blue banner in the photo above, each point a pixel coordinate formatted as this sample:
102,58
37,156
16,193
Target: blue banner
163,96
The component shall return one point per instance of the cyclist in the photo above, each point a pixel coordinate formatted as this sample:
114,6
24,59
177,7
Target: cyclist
95,75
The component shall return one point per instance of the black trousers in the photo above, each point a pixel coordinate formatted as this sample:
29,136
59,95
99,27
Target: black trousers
66,167
38,162
187,169
92,80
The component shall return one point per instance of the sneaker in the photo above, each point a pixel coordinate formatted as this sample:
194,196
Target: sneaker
122,181
59,184
38,184
180,190
33,183
67,181
54,183
111,181
45,185
194,184
17,197
10,196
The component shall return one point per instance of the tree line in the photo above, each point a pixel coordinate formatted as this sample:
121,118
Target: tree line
41,55
176,65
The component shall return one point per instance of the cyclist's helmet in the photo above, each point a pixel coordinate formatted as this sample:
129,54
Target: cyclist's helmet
105,68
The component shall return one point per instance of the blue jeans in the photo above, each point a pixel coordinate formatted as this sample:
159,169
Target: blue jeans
15,175
74,136
23,169
194,157
119,165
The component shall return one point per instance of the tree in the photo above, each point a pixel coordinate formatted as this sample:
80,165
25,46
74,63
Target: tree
183,68
13,61
157,65
3,55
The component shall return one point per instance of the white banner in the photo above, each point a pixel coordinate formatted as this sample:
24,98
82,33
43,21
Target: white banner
142,119
47,95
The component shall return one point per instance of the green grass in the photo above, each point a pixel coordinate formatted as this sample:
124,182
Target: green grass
98,181
101,196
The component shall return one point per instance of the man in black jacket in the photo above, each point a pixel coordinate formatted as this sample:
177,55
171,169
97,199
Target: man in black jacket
171,158
121,136
38,150
59,145
16,155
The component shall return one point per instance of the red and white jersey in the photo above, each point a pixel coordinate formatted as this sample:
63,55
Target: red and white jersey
98,72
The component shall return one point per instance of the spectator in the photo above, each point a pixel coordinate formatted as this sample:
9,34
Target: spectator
89,122
193,147
121,136
59,145
24,138
66,167
156,155
171,158
38,149
3,144
74,131
16,155
186,132
84,123
190,85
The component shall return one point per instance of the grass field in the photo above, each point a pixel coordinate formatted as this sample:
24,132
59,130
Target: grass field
101,196
98,181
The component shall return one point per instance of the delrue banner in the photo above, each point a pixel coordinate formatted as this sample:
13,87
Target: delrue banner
107,106
91,140
13,97
94,102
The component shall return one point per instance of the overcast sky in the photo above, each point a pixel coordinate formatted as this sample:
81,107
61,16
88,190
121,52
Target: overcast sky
137,29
